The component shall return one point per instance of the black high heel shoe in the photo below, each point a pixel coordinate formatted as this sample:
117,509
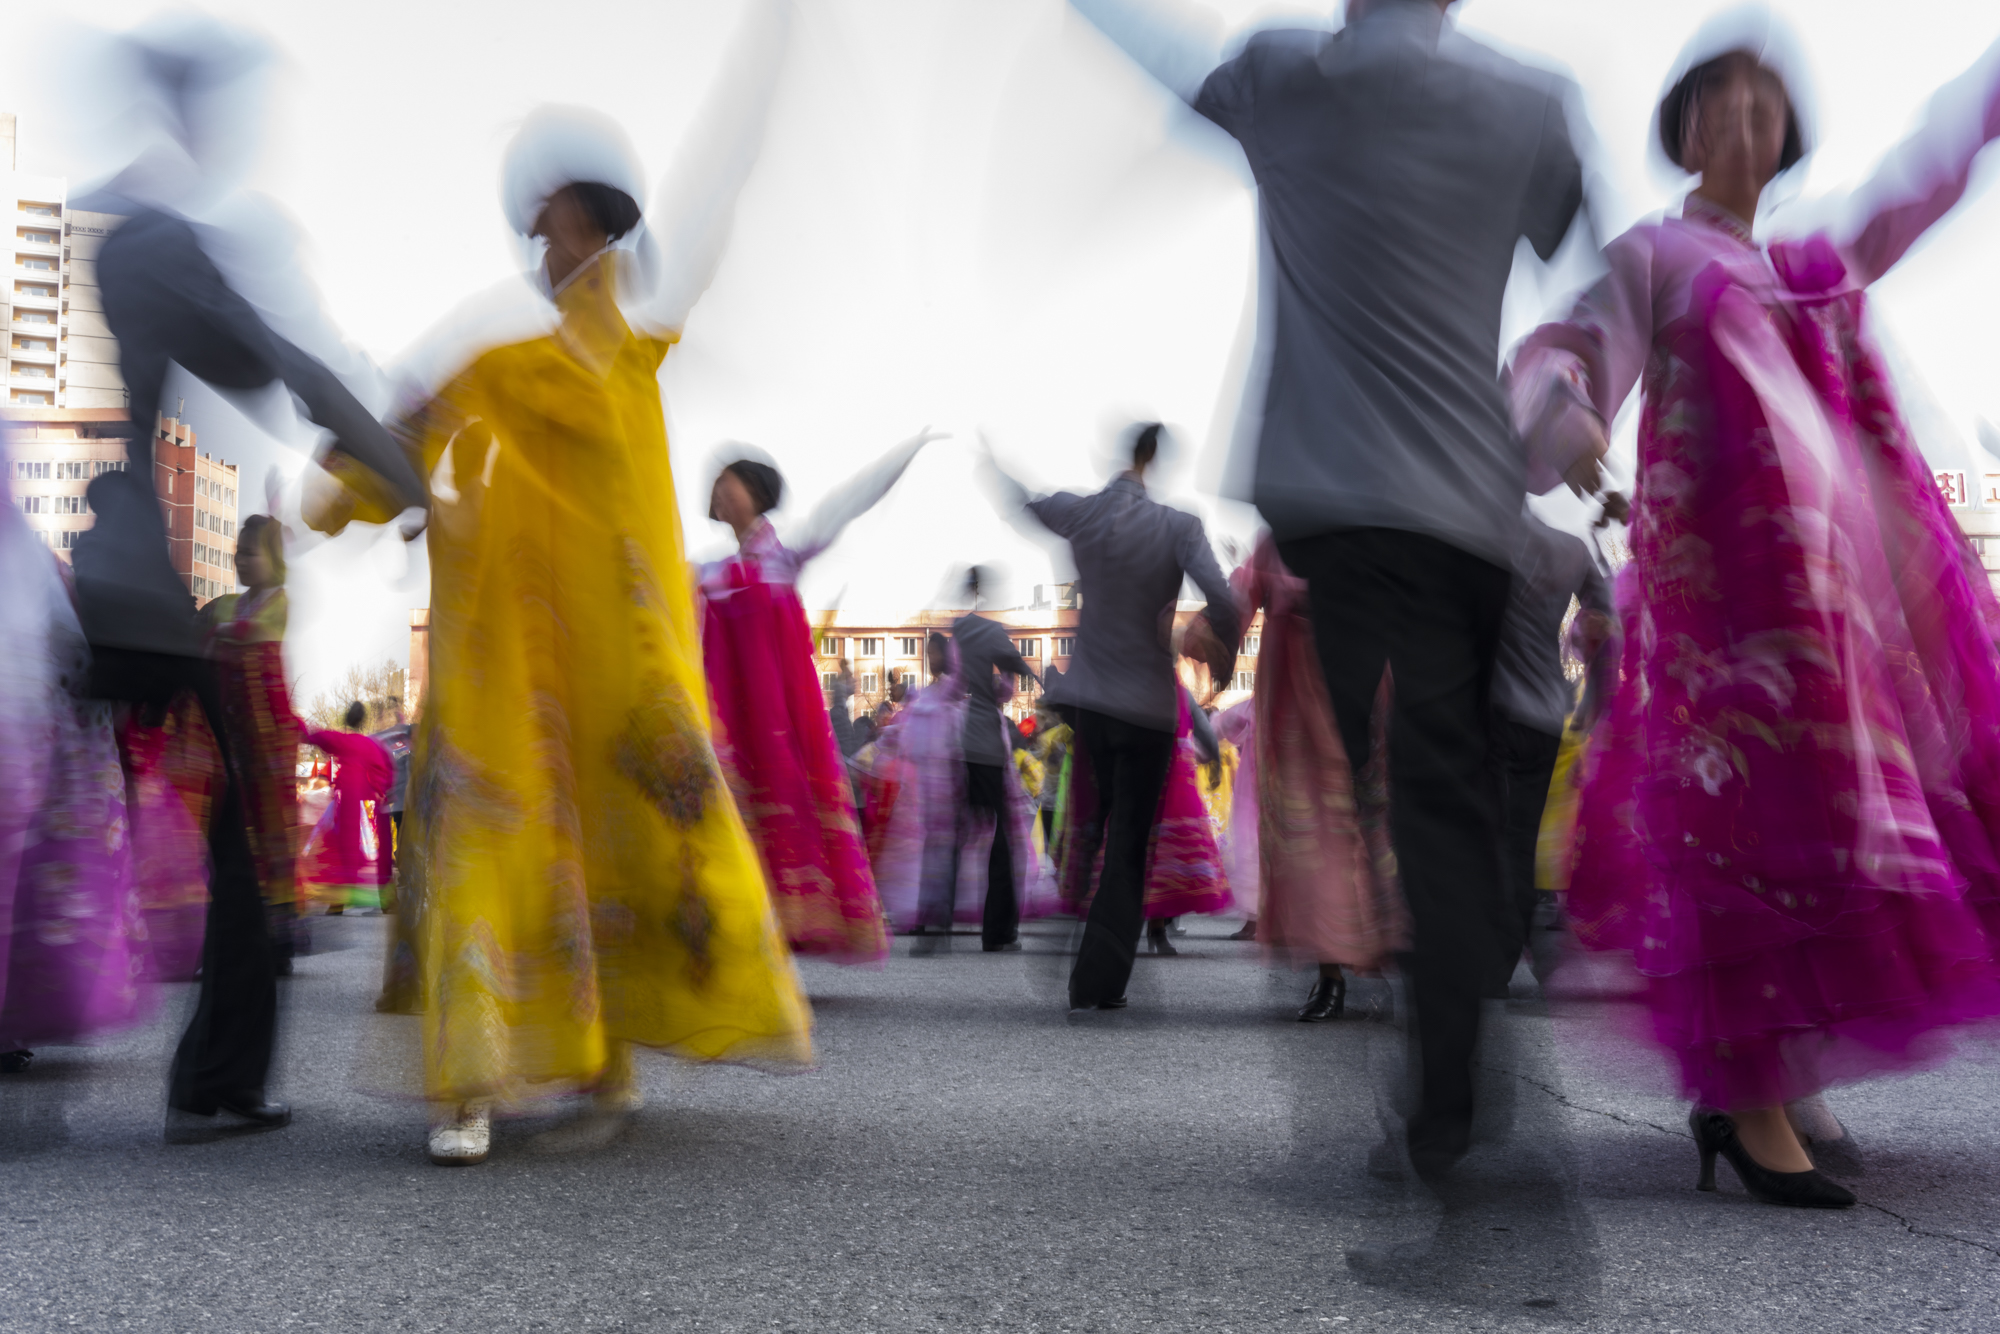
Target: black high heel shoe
1328,999
1715,1133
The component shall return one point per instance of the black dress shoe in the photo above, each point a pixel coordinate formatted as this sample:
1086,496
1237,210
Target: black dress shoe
1083,1007
1328,999
1005,946
14,1062
1715,1133
256,1107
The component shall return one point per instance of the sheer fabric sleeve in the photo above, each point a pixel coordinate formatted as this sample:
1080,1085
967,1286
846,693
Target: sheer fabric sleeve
854,499
694,206
1177,44
1924,175
1574,374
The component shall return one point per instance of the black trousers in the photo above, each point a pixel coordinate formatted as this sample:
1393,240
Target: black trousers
1000,920
1430,614
1128,766
1526,759
227,1046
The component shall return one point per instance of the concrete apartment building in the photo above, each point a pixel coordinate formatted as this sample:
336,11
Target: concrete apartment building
1044,633
59,352
66,404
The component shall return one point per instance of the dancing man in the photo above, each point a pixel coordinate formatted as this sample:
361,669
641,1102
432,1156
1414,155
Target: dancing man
1133,554
1398,164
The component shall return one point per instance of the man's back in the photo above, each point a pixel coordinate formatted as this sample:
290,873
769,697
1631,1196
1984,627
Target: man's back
1131,556
1399,164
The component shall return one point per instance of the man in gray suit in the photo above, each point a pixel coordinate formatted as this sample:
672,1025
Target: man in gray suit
1398,166
1132,556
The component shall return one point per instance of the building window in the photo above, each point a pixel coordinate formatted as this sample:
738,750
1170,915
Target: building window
830,645
828,680
64,540
867,648
1028,648
73,470
41,265
28,399
1253,644
34,504
1065,646
1246,680
870,683
201,486
103,466
912,648
36,470
34,317
71,505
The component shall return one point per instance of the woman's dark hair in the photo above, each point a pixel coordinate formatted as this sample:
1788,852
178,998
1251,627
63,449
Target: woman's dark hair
1146,445
1682,107
261,532
972,577
765,484
611,210
357,714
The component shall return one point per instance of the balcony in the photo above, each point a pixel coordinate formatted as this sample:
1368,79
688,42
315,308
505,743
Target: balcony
28,245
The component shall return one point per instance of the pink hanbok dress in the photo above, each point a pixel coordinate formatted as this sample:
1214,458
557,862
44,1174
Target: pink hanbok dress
777,749
1789,820
1329,892
1184,871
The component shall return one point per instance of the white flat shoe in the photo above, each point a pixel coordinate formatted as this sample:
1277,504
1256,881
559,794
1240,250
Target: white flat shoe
463,1141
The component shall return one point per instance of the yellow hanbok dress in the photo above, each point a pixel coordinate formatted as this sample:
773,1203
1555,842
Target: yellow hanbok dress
584,876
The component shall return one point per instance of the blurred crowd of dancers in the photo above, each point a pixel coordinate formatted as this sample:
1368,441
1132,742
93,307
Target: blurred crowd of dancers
1765,792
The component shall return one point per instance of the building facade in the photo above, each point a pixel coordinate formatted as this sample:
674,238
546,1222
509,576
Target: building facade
53,453
59,352
1045,633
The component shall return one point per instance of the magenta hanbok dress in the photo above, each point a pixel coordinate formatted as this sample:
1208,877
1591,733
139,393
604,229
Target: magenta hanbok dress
350,853
776,746
72,947
1789,820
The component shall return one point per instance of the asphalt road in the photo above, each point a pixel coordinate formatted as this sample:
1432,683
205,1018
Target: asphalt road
967,1158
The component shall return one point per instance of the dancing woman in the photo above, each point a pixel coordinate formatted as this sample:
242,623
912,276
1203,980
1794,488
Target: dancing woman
1790,815
772,732
347,859
246,640
587,881
1328,893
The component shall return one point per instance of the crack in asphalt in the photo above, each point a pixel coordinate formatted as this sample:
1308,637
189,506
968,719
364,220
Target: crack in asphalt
1916,1231
1566,1101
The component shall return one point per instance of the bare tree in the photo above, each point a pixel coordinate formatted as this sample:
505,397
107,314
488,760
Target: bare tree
377,687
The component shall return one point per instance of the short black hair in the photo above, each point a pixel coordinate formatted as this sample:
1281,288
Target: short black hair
1683,102
765,484
611,210
1146,444
357,714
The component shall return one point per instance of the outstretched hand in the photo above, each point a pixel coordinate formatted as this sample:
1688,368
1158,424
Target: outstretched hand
1200,643
1585,477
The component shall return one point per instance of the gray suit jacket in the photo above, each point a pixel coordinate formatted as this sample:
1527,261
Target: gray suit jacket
1398,165
1132,554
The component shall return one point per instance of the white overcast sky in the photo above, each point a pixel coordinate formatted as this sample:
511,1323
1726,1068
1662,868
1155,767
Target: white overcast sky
968,213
